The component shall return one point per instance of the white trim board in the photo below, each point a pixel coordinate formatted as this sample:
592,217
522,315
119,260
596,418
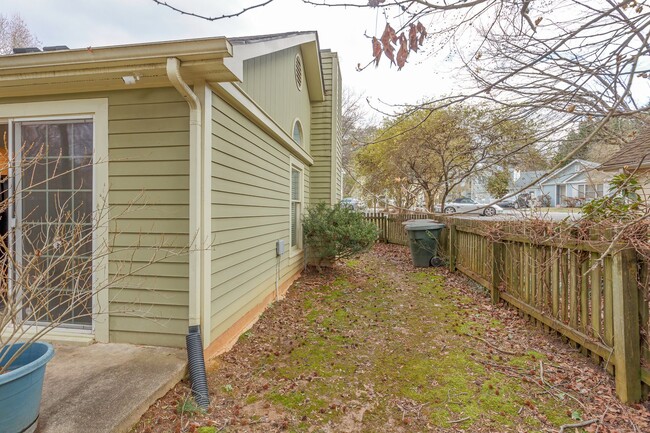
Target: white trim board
298,249
98,110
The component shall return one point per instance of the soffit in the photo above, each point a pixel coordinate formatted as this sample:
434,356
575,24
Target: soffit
102,68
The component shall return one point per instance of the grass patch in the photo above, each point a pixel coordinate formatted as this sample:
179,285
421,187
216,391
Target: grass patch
253,398
188,406
388,343
352,263
376,346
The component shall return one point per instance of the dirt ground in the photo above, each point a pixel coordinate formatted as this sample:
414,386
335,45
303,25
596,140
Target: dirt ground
376,345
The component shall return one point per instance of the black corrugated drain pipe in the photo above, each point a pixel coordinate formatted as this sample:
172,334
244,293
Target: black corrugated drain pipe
196,366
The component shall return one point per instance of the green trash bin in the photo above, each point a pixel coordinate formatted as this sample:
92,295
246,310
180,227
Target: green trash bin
423,240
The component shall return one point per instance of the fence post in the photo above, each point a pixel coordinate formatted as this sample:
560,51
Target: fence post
626,326
453,247
497,267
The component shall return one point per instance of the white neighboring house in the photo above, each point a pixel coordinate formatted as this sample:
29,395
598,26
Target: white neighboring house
475,187
579,180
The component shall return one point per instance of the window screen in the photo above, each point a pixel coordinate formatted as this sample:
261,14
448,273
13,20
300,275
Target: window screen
54,210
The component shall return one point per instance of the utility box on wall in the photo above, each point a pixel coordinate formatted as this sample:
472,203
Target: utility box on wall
279,247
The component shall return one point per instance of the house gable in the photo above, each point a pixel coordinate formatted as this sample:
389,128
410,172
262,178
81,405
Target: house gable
526,178
270,80
563,174
589,176
246,48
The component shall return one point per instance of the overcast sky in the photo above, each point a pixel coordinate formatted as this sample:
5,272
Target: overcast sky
109,22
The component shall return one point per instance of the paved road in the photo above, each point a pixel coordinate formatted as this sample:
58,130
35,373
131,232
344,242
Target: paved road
514,214
556,215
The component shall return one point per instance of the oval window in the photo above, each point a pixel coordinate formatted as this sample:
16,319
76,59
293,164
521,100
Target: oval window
297,132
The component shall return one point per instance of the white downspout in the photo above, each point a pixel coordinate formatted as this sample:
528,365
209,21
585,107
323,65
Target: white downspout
196,229
193,339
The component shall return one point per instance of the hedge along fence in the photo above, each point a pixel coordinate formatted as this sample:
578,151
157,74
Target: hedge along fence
596,302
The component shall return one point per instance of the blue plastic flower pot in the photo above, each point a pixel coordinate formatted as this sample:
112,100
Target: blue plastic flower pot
22,386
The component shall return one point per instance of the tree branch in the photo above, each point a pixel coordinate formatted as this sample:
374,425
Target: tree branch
209,18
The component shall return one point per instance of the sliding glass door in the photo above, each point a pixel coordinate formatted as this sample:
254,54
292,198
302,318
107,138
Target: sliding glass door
53,220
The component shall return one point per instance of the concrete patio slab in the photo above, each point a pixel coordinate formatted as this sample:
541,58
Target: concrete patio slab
105,387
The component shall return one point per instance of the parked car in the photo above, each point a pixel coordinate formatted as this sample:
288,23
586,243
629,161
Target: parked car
506,204
353,203
526,200
373,210
467,205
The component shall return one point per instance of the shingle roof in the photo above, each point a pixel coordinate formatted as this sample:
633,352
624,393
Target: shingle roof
635,154
526,178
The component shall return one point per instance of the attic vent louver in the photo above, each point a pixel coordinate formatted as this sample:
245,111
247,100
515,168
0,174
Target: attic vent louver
56,48
26,50
298,71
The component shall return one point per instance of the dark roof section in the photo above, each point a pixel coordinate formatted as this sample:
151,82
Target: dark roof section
56,48
26,50
634,154
264,38
526,178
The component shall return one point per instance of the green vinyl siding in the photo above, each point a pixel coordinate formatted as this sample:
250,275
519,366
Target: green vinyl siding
148,201
325,135
149,178
148,209
250,212
270,81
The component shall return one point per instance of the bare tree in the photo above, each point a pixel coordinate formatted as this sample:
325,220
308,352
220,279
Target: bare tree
555,63
356,130
448,148
557,60
14,33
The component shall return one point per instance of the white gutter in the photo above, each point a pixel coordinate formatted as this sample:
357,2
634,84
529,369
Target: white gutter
196,229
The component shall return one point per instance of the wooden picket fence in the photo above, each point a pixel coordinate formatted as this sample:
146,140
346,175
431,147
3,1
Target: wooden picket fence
582,290
391,226
588,294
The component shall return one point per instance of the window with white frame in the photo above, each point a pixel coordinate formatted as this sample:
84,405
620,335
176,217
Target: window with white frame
296,207
297,132
590,192
58,183
599,189
54,200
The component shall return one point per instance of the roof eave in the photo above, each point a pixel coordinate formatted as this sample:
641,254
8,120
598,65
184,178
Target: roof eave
103,67
621,166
